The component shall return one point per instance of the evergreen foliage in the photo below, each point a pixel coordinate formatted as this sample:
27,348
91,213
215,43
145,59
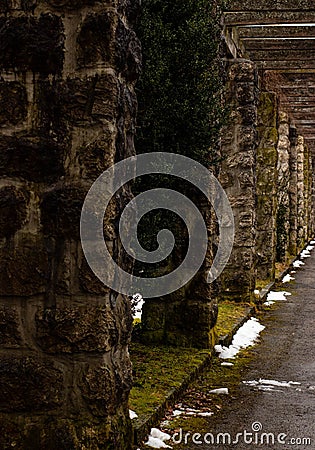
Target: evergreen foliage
180,90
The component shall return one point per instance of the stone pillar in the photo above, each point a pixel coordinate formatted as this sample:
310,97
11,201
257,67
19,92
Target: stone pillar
266,186
310,197
186,317
308,192
300,194
312,175
238,178
67,113
283,168
292,249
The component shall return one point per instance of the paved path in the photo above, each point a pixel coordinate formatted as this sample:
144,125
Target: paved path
287,352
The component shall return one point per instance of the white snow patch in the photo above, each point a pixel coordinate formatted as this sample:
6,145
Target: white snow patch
277,296
191,412
309,248
269,303
312,243
156,443
298,264
270,385
246,336
157,439
287,278
220,391
156,433
132,414
137,305
305,254
177,412
227,364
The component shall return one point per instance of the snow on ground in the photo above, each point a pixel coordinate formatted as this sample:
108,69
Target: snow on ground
298,264
271,385
227,364
277,296
305,254
157,439
269,303
132,414
156,443
220,391
309,248
137,303
287,278
246,336
185,411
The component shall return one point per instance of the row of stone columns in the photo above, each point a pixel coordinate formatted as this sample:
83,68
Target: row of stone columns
267,174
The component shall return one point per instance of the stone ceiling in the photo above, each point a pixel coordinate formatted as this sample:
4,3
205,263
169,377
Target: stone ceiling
279,35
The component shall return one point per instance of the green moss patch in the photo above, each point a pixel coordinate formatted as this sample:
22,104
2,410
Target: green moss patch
230,314
157,371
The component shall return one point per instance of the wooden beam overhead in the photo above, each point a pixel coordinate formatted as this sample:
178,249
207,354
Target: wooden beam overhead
269,17
302,45
271,5
284,65
297,91
275,32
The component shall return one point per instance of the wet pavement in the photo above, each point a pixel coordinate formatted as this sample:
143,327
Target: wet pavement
272,415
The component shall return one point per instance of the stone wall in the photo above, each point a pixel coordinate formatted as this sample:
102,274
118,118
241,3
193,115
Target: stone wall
238,178
267,178
67,112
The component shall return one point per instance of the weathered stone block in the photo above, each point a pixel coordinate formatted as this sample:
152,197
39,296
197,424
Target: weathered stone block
50,433
23,268
248,115
32,158
106,95
130,9
70,4
27,43
127,52
77,101
13,103
10,332
96,39
76,329
267,110
103,388
13,208
28,5
245,94
241,71
246,138
89,283
61,212
28,384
